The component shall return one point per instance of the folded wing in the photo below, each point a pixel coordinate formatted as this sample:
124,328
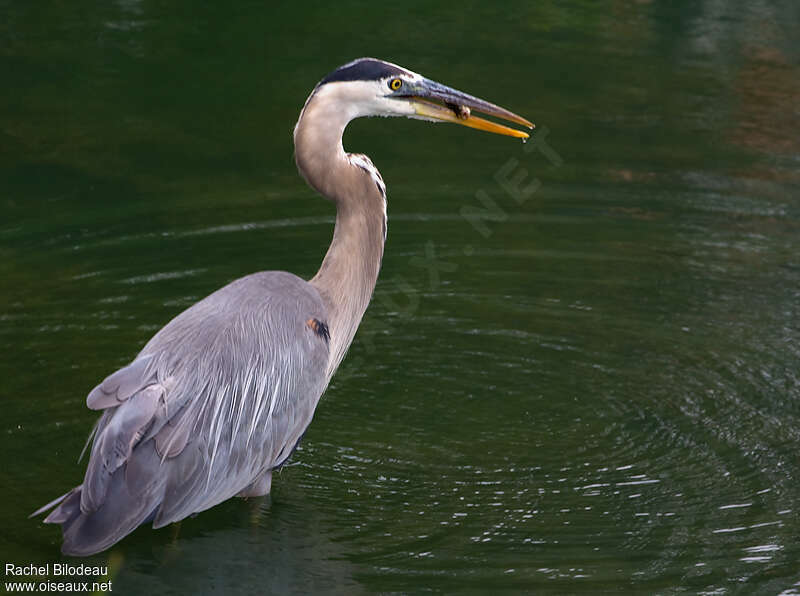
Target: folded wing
218,398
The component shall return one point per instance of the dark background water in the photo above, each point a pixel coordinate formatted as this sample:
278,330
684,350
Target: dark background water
597,390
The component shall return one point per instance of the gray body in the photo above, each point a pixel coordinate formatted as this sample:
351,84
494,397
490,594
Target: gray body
220,396
205,412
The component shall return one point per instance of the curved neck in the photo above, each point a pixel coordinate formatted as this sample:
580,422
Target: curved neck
349,271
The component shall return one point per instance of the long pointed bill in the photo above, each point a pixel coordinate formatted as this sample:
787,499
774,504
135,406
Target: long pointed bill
457,107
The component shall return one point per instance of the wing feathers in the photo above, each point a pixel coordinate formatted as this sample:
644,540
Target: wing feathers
122,510
119,386
115,442
212,403
171,439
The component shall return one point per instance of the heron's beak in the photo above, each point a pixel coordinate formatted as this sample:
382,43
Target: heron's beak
439,103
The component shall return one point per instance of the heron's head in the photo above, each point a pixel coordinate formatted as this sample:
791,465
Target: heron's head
370,87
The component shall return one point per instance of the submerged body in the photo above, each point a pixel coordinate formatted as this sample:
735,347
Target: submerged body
220,397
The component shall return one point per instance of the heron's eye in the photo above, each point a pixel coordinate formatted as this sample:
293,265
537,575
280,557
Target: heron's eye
395,84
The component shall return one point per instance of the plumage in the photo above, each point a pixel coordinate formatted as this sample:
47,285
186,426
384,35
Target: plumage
220,397
186,382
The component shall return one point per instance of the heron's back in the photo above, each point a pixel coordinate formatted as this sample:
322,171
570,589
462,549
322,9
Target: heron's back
216,399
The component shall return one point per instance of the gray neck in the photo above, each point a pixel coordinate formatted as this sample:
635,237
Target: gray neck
347,276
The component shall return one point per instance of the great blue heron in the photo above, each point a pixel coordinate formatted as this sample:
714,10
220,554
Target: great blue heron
220,397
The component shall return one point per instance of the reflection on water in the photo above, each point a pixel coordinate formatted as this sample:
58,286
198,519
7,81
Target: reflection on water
278,548
596,389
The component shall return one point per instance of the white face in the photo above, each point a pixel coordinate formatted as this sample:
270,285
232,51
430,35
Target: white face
369,98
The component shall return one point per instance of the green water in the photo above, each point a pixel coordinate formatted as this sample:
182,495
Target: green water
595,390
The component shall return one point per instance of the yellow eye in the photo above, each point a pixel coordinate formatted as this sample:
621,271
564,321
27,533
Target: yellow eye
395,84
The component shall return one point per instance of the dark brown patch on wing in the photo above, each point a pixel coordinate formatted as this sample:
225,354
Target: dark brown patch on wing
319,328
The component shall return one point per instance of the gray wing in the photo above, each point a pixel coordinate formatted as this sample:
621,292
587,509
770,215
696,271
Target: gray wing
216,399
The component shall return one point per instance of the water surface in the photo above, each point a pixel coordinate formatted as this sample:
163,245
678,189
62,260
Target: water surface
596,389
